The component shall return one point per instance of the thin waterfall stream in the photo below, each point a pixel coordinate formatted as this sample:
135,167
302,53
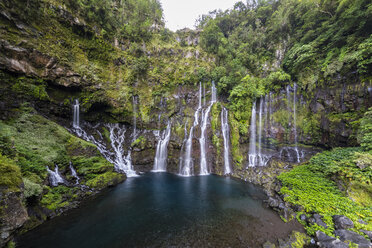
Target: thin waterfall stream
76,115
160,164
187,167
204,170
54,177
295,122
226,140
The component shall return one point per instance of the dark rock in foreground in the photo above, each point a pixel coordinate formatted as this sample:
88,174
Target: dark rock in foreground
346,235
325,241
342,222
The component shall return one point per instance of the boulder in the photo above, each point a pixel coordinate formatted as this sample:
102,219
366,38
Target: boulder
368,233
325,241
303,217
12,216
346,235
274,203
342,222
317,219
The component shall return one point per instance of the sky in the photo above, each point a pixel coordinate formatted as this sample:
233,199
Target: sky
179,14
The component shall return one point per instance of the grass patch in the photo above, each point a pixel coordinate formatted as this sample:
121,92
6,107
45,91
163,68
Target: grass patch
311,187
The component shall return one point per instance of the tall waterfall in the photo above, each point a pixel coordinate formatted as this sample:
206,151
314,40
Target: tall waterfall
260,132
74,174
187,168
76,117
54,177
294,121
226,140
204,170
257,158
252,155
162,150
122,163
214,93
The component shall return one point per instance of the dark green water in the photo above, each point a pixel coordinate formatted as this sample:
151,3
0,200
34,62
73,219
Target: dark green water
165,210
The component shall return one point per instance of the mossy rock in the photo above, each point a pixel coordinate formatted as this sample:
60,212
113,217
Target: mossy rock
106,180
10,175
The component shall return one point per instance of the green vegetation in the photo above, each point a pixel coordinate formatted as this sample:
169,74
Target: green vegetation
216,127
365,131
315,187
262,45
104,180
58,197
10,174
35,142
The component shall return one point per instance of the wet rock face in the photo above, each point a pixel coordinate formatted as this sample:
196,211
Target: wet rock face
342,222
32,63
346,235
333,103
325,241
12,215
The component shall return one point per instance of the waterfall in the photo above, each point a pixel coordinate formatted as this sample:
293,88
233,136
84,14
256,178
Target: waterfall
214,93
256,158
203,157
74,174
54,177
76,117
260,132
252,139
122,163
226,139
162,151
186,169
294,121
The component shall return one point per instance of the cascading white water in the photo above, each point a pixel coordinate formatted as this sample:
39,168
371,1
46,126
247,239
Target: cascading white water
256,158
226,140
187,168
160,164
204,170
203,157
214,93
76,117
252,155
259,156
74,174
122,163
54,177
294,122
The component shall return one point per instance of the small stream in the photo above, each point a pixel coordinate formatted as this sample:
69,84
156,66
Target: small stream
166,210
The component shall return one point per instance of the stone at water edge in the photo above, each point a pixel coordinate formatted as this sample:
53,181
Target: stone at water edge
346,235
342,222
325,241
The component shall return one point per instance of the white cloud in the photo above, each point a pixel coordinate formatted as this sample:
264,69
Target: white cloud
180,14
